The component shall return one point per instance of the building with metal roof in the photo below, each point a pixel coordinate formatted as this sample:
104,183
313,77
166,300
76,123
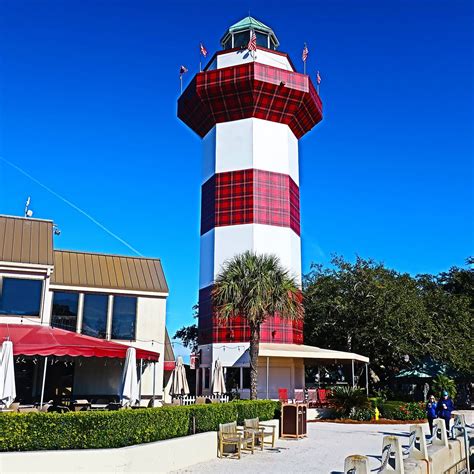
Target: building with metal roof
116,300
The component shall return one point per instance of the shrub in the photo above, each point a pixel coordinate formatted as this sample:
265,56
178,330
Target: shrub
115,429
395,410
363,414
347,400
442,383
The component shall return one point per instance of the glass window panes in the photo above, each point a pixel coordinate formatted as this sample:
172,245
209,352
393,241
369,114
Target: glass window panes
207,377
20,297
124,318
64,314
241,39
232,378
262,39
94,320
246,377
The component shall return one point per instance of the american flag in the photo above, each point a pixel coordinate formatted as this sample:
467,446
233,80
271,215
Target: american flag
183,70
304,56
203,50
318,78
252,46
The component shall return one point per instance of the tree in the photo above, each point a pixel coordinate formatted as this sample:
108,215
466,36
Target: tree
395,319
189,336
365,308
449,302
255,287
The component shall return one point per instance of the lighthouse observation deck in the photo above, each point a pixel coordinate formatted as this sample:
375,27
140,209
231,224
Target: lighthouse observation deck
251,89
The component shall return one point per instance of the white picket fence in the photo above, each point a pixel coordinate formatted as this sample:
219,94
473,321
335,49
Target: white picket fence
191,399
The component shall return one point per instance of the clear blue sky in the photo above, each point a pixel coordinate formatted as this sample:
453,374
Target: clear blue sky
88,106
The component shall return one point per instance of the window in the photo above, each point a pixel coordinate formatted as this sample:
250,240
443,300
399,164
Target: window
241,39
207,377
94,321
65,310
232,378
20,297
246,377
124,318
262,39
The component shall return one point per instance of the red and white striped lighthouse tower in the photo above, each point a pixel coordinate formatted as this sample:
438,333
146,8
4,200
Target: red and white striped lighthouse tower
250,110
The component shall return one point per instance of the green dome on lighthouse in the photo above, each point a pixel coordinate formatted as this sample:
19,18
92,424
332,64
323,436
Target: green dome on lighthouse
238,34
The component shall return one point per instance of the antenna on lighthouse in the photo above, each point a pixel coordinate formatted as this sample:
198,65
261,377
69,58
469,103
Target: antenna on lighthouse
28,211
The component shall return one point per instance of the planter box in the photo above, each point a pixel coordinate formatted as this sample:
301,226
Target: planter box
161,456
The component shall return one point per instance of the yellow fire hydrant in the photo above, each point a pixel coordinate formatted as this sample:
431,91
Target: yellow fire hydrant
377,414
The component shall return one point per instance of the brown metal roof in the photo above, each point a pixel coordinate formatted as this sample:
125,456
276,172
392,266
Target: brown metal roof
169,352
96,270
25,240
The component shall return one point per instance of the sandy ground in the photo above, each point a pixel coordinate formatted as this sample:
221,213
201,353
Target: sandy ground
323,451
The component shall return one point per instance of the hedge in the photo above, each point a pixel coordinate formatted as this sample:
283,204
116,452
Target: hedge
115,429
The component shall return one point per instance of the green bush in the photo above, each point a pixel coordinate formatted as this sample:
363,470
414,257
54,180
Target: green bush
442,383
347,400
363,414
115,429
396,410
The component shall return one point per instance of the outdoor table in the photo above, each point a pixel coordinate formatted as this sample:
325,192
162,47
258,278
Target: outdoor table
99,406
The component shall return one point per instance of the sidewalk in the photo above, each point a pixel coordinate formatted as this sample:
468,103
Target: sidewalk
322,452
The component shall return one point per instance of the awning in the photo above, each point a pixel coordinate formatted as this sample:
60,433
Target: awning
169,365
39,340
306,352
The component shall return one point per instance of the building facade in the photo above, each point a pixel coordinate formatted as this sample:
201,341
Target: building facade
107,297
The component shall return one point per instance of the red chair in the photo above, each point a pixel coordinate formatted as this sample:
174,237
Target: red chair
283,395
312,397
299,395
322,396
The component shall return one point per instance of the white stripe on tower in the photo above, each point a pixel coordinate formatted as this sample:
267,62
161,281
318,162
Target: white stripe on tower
241,145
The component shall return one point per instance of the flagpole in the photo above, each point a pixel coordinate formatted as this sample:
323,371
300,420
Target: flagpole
181,82
304,67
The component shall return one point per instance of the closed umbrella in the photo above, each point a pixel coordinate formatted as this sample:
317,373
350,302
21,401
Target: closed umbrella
7,375
178,384
129,390
218,383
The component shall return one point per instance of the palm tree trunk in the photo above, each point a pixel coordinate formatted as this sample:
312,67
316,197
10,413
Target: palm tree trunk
254,343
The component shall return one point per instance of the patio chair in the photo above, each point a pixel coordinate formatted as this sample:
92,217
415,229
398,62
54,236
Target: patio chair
200,400
231,435
322,396
312,397
14,406
27,409
81,405
283,395
260,431
299,395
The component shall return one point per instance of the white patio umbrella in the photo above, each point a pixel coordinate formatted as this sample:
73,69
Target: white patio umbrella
177,384
129,395
218,382
7,375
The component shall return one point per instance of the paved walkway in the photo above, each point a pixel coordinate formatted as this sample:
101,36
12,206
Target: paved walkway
322,452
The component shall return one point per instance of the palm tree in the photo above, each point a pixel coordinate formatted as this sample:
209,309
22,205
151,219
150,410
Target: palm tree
255,287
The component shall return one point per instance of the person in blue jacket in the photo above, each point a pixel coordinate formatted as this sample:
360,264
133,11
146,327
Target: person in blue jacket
444,408
431,414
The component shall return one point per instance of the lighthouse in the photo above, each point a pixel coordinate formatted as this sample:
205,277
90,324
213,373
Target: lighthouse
250,109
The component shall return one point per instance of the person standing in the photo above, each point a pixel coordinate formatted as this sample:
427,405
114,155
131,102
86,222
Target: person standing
431,407
444,408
